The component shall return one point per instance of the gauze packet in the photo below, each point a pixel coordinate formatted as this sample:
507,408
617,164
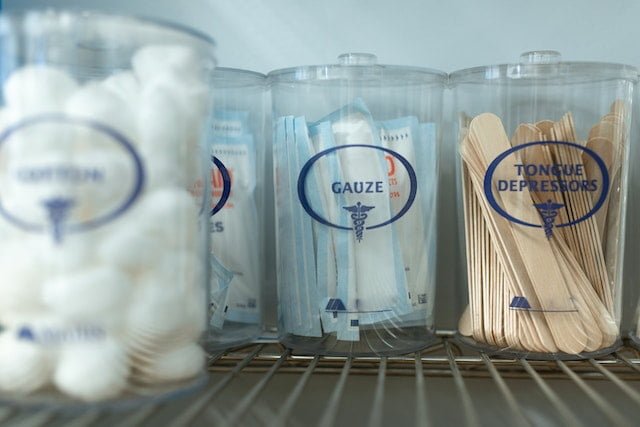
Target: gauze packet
235,285
356,223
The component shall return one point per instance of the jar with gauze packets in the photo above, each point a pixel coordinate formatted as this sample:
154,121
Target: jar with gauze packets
356,170
542,175
103,248
237,217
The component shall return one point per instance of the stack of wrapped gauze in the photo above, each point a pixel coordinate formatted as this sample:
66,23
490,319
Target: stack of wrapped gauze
102,261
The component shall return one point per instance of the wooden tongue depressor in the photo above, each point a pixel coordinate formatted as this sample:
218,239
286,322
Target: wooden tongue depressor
611,129
464,324
576,279
586,244
540,154
604,148
500,332
530,329
487,135
545,126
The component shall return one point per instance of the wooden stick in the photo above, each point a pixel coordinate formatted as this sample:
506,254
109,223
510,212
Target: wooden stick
487,134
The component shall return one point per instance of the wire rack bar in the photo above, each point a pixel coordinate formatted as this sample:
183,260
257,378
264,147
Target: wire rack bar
296,392
329,417
616,417
618,374
375,419
243,406
518,416
567,415
422,418
201,402
467,404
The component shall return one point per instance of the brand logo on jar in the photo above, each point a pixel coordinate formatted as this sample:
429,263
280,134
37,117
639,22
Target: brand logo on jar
363,195
61,174
54,336
220,184
564,192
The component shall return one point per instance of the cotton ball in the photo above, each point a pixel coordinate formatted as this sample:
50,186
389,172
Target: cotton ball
162,170
156,310
179,364
75,253
159,319
193,100
116,184
171,213
125,85
21,277
93,370
153,61
129,249
38,88
97,292
4,119
182,269
161,123
93,101
25,366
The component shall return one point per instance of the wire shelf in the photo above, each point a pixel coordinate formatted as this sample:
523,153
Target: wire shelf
265,385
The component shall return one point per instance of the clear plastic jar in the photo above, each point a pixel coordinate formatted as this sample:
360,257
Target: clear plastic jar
237,210
544,153
356,170
103,250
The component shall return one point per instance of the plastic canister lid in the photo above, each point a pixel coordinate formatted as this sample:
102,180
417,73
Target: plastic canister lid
362,68
545,66
236,77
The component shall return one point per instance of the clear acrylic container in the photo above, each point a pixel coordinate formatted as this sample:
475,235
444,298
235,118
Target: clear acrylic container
237,208
103,245
356,170
542,179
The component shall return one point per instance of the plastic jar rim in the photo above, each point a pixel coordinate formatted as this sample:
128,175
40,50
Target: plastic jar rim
381,72
567,71
195,34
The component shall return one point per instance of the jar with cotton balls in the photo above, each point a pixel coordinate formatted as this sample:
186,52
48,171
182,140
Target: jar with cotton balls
103,208
356,172
237,223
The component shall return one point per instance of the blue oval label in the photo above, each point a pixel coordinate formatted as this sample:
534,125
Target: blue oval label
365,189
220,184
557,177
62,174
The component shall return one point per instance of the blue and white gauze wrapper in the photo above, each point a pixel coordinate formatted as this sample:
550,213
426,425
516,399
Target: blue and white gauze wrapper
356,217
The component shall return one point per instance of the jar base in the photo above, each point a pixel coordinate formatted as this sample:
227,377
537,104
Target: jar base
373,342
234,334
136,396
634,340
531,355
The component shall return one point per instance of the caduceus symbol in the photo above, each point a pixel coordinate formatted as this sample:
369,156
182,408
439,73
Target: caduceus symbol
358,215
58,209
548,211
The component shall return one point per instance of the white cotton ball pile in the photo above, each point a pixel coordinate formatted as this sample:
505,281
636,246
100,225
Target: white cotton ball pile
92,370
94,293
124,301
94,101
37,89
129,249
24,366
126,86
171,205
159,61
21,277
177,364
